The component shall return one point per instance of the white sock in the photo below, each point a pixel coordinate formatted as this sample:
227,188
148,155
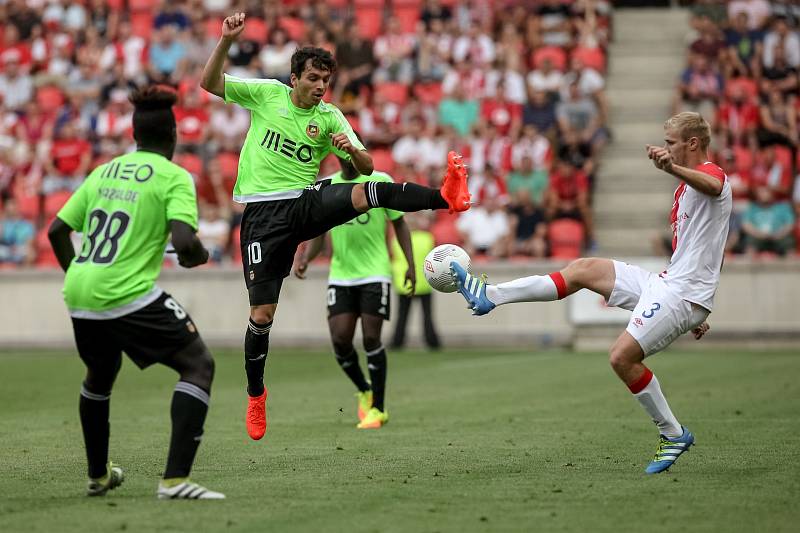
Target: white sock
530,289
648,391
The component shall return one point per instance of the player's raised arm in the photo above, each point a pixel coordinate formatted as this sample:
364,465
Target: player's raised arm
190,250
696,179
213,79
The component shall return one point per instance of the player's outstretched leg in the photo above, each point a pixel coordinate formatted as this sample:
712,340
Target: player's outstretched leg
377,415
595,274
453,195
188,412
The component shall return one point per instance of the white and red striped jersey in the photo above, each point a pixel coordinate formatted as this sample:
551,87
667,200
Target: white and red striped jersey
699,231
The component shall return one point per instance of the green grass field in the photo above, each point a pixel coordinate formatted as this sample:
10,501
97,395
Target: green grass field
512,441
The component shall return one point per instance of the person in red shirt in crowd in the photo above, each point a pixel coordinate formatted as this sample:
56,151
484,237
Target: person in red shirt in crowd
70,157
11,41
192,119
115,123
768,171
568,196
741,187
504,115
737,119
34,129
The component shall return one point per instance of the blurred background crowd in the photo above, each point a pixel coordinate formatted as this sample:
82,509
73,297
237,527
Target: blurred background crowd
742,71
517,87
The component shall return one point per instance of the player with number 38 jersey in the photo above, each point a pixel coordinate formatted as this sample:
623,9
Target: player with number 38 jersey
123,210
126,210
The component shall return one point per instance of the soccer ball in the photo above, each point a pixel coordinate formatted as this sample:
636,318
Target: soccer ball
437,266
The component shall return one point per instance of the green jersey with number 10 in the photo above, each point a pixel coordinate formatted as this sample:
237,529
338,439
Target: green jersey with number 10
123,210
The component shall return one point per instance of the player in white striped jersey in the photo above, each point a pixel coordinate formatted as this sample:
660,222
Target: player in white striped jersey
665,305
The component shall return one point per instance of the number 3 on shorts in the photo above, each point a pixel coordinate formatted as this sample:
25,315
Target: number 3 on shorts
652,311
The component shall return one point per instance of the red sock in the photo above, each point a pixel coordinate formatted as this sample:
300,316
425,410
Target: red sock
561,285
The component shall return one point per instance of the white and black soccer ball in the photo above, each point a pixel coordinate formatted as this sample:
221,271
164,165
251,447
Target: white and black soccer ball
437,266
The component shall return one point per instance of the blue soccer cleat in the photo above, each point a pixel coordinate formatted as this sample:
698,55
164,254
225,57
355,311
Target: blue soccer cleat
669,450
472,288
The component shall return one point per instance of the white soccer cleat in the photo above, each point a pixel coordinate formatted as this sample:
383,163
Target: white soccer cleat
187,491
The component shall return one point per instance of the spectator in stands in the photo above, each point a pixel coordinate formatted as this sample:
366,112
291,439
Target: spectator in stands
474,47
356,62
191,119
782,36
737,119
393,53
128,49
767,225
200,43
546,79
16,86
16,236
534,145
413,147
119,84
430,60
380,122
769,171
115,123
84,83
540,112
528,182
433,10
33,131
228,126
11,43
700,88
167,57
578,153
23,17
504,115
458,111
590,84
744,46
554,21
568,196
464,74
213,229
758,11
778,121
709,44
70,157
171,14
780,76
579,114
528,225
486,229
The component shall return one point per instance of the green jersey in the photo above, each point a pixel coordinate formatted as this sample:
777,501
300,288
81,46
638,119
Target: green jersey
285,144
422,242
360,253
123,210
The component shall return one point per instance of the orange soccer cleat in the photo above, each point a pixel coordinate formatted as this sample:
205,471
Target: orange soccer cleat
454,186
257,415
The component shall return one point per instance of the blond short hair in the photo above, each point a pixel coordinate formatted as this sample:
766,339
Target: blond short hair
690,124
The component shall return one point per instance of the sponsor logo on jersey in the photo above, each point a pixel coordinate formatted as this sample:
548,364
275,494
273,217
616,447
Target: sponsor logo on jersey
287,147
116,170
312,130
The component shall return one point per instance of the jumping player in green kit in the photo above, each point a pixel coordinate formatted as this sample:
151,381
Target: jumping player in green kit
126,210
291,131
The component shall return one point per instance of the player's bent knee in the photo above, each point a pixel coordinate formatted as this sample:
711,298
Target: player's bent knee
371,343
342,346
262,314
359,197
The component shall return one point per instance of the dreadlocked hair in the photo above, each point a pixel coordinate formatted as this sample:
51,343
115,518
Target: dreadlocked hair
153,120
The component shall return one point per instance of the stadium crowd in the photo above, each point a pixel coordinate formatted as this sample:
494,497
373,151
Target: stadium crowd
517,87
743,61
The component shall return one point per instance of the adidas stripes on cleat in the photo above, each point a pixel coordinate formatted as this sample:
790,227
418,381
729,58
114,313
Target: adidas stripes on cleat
187,491
472,288
669,450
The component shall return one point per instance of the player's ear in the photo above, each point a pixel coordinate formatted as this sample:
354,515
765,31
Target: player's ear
293,80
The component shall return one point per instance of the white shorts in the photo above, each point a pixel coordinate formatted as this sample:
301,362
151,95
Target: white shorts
659,314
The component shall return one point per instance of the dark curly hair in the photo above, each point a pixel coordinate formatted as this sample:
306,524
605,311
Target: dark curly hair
153,120
320,58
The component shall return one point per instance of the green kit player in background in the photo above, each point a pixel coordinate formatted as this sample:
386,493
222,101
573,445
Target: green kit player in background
359,285
291,131
126,210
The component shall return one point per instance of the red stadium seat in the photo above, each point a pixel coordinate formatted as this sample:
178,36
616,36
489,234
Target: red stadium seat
49,98
591,57
369,21
566,238
55,201
45,257
783,155
444,229
29,206
229,164
556,54
369,3
296,28
394,92
142,5
429,93
236,247
382,160
744,157
142,24
115,5
213,26
256,30
192,163
408,17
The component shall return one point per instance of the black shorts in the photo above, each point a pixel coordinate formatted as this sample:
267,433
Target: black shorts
271,231
150,335
367,299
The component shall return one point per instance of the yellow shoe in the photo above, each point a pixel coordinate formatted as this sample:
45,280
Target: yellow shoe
113,479
375,419
364,403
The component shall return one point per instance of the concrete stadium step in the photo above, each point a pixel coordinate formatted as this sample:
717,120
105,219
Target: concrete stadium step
635,203
653,23
656,97
629,241
639,133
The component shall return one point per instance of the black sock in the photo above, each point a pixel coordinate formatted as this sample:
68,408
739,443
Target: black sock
349,364
376,363
93,409
188,413
403,196
256,347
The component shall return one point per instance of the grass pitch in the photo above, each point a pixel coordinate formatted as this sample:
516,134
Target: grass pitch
511,441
